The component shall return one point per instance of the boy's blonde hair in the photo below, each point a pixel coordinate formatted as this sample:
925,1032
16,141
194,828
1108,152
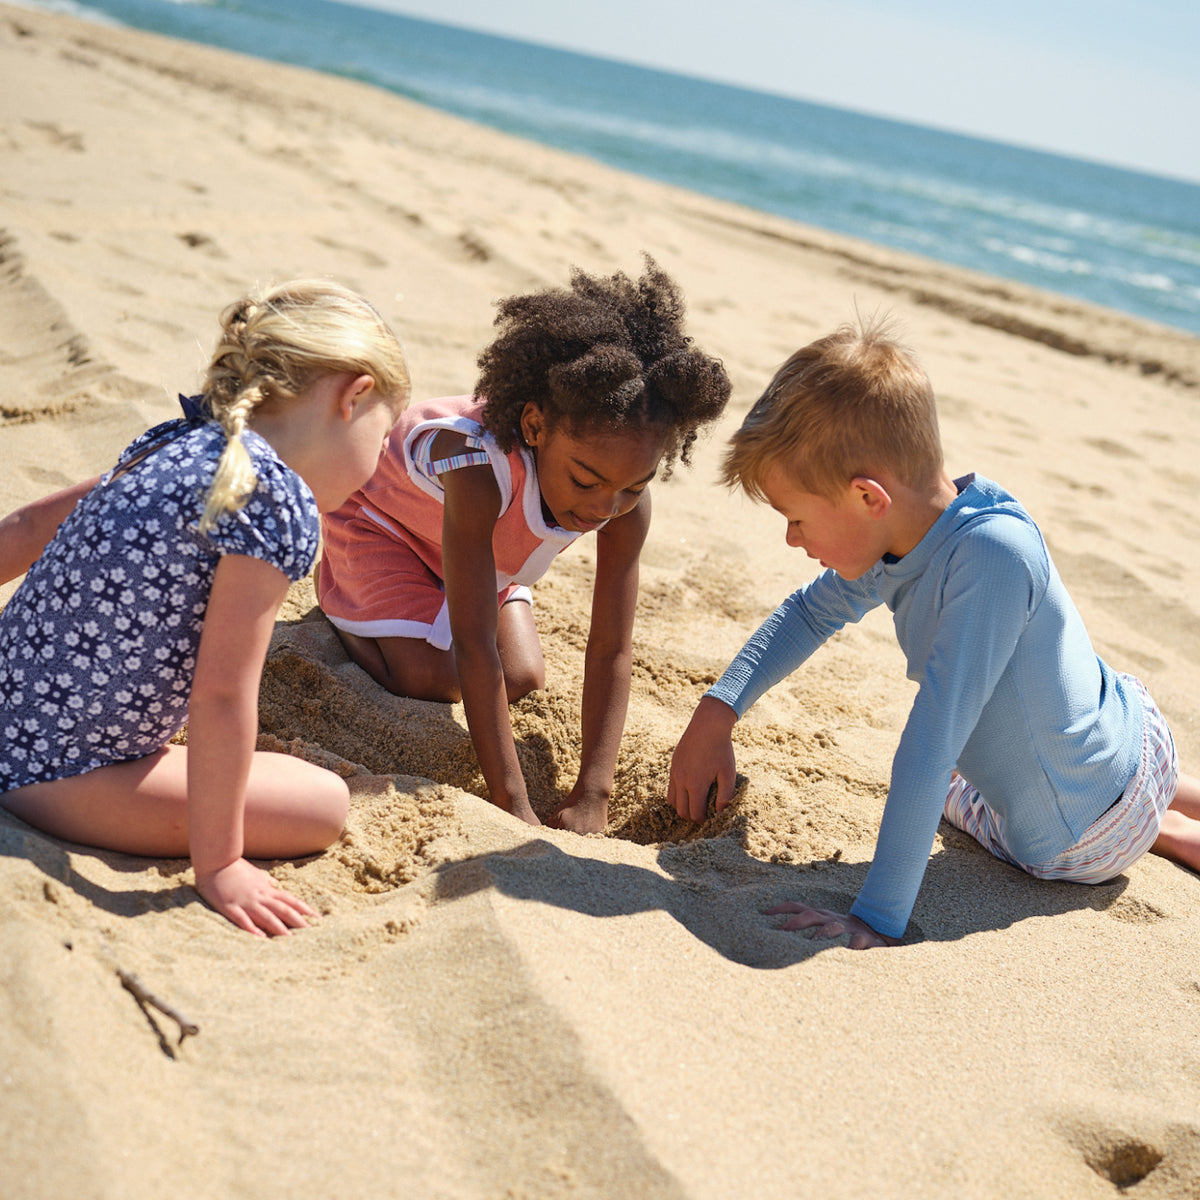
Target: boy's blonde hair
841,407
278,342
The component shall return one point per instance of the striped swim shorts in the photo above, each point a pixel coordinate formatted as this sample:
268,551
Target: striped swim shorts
1117,838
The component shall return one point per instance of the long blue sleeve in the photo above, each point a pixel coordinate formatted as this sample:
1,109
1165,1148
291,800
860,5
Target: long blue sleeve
986,595
801,624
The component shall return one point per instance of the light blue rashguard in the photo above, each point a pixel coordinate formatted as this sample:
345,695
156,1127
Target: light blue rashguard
1011,694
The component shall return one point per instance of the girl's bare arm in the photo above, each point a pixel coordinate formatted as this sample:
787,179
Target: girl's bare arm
608,664
26,532
472,506
222,731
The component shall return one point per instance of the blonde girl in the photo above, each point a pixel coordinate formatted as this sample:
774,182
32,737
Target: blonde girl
152,592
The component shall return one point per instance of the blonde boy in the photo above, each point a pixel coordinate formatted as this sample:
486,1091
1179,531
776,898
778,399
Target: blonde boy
1019,734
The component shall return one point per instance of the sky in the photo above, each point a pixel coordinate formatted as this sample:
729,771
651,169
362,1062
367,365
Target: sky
1115,81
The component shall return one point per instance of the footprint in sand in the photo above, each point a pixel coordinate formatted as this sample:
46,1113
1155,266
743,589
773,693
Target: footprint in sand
1161,1163
1111,448
367,257
1112,587
1124,1161
47,478
37,341
57,136
202,241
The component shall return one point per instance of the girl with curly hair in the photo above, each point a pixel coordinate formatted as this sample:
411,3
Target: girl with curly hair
586,392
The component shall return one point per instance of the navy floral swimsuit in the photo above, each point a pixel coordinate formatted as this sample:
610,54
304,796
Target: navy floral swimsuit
98,645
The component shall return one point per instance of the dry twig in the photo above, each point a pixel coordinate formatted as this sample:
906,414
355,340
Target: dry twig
187,1028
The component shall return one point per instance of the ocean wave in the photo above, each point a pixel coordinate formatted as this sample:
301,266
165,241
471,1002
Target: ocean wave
1033,256
1158,283
780,165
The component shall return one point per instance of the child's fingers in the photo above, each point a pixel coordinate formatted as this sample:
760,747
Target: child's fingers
249,898
274,918
726,786
692,799
280,922
281,912
690,786
676,793
675,796
239,917
821,923
256,919
293,902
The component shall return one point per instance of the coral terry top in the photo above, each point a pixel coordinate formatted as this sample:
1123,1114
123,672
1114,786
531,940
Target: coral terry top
400,507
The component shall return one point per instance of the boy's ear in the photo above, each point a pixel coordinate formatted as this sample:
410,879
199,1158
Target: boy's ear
352,393
874,497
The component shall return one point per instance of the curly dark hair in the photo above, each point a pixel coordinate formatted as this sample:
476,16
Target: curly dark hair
607,354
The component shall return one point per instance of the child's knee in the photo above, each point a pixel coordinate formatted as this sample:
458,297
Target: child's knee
526,678
336,807
326,809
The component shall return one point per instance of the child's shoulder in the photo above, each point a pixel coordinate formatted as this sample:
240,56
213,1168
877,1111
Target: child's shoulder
983,503
442,409
992,523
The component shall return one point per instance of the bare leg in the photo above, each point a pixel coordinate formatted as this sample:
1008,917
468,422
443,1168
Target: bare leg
293,808
520,650
1187,797
405,666
1179,836
412,667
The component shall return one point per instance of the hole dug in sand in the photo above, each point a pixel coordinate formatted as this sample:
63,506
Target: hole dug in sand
801,796
1124,1162
1161,1162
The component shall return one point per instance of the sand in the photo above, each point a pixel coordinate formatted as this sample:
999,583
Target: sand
489,1010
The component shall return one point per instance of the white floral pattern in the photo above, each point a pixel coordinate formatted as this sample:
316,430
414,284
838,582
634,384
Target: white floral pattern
98,645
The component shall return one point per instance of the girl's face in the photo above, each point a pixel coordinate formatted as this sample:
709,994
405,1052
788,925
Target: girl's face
354,455
589,479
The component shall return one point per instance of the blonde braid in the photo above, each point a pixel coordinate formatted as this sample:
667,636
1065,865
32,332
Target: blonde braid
235,478
272,347
237,384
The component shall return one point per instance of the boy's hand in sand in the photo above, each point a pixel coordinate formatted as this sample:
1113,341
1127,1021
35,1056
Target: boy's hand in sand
252,900
826,924
704,753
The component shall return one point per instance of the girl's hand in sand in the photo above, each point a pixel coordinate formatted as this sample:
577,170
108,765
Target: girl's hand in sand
520,807
583,811
252,900
826,924
704,754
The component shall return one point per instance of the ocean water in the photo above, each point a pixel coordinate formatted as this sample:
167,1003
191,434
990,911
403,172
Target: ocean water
1120,238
